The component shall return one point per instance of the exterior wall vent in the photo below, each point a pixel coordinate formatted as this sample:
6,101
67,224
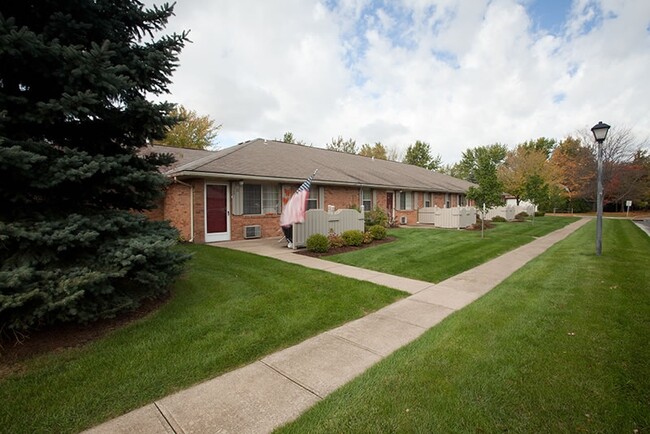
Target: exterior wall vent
403,220
252,231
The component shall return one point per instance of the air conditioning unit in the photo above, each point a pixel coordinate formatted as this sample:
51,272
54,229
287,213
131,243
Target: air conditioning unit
252,231
403,220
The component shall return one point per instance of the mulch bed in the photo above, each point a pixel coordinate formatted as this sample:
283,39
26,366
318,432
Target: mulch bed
337,250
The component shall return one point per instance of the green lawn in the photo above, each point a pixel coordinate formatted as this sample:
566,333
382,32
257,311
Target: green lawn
229,309
434,255
560,346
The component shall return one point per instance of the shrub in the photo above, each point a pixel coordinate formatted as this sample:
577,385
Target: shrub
317,243
335,240
378,232
498,218
352,237
367,238
376,216
521,216
539,214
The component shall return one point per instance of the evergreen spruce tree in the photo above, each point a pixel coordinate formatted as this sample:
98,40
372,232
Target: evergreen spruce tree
74,78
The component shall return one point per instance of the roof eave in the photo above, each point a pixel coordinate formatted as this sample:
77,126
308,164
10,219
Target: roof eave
240,177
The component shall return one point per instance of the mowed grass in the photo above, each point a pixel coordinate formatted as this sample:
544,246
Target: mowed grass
560,346
434,255
229,309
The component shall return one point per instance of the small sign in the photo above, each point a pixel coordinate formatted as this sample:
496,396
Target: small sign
628,203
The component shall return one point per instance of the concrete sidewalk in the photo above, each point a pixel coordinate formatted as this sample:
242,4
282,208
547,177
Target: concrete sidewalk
278,388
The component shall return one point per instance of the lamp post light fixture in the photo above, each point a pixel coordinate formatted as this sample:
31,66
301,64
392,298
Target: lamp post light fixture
600,133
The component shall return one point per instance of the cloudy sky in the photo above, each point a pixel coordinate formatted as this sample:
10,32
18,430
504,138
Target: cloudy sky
454,73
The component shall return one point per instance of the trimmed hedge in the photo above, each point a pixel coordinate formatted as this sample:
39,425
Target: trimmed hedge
378,232
318,243
352,237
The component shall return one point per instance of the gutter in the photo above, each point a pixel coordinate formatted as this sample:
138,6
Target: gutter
238,177
191,240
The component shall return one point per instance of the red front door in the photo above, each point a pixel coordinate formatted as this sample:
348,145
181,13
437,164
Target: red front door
216,207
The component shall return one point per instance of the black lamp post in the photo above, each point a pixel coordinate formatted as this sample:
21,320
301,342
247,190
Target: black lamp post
600,133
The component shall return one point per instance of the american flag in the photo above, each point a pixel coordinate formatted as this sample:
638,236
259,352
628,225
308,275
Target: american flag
294,210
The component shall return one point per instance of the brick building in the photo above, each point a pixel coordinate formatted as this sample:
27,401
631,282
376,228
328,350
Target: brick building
239,192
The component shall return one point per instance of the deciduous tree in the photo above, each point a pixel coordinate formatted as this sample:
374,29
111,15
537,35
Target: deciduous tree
349,146
473,158
490,189
377,151
523,163
419,154
191,130
541,144
575,166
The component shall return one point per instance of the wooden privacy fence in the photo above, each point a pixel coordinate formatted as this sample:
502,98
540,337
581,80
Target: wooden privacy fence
318,221
457,217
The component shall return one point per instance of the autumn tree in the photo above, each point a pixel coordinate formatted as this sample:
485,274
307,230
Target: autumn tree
522,164
630,180
618,151
575,167
349,146
191,130
74,81
377,151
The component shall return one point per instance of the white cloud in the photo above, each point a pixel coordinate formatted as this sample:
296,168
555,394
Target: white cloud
454,73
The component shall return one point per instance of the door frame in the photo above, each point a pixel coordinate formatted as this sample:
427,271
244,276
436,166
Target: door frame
216,236
390,208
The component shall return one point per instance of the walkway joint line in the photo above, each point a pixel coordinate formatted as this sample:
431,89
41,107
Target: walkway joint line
282,374
169,425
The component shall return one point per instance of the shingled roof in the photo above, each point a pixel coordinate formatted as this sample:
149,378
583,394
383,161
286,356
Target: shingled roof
271,160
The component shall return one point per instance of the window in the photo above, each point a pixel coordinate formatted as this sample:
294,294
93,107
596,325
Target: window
461,200
312,201
366,199
261,199
405,200
447,200
427,200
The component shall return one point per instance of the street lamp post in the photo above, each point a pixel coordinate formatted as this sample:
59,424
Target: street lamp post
600,133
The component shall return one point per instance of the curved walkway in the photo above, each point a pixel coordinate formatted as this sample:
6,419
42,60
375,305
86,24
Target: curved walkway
278,388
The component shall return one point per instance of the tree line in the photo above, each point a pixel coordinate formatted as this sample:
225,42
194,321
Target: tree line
560,175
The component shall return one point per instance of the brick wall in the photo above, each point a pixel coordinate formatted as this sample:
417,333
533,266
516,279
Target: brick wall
176,209
157,213
270,224
341,197
438,199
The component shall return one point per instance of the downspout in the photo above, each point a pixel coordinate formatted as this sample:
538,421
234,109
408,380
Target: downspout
191,240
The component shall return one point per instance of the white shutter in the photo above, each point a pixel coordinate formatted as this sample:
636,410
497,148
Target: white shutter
321,197
237,198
